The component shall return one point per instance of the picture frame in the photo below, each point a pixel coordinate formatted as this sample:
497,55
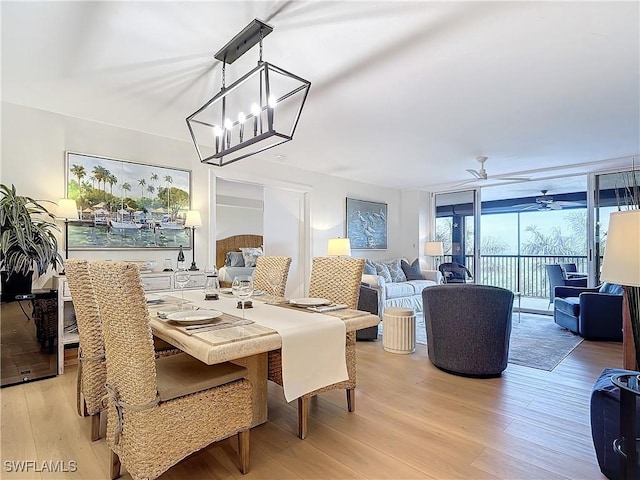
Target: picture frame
126,205
366,224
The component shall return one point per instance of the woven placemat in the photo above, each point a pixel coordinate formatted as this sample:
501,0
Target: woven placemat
224,321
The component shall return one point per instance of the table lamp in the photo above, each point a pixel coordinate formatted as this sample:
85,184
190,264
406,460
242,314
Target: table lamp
67,210
192,221
433,249
621,265
339,247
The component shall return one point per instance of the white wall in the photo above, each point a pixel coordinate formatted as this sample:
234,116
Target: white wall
34,142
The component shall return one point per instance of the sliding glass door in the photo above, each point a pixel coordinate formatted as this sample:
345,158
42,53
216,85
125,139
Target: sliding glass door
456,227
612,191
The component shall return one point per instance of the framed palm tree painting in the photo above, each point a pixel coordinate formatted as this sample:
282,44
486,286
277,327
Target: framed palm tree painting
124,204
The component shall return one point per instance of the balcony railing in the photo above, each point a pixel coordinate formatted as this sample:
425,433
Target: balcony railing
520,273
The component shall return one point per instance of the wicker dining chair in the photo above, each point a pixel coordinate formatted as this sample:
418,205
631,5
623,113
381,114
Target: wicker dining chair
92,370
265,264
160,410
92,367
337,279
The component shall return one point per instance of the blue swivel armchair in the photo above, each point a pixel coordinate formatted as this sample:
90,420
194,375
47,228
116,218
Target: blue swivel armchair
557,278
592,313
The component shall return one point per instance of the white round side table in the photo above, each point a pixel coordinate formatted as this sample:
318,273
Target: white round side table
399,330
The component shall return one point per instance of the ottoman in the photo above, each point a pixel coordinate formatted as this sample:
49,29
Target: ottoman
605,422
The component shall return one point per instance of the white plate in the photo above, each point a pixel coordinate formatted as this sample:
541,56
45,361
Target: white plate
192,316
258,293
310,302
151,298
226,290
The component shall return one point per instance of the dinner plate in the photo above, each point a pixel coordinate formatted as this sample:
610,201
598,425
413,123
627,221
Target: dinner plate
197,316
169,309
310,302
226,290
151,298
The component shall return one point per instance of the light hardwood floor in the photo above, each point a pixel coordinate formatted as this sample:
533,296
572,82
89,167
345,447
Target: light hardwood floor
411,421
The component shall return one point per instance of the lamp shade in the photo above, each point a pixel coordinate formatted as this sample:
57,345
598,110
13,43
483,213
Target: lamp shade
67,209
433,249
621,263
339,247
193,219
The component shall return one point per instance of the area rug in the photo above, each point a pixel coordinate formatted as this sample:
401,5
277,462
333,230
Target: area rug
536,341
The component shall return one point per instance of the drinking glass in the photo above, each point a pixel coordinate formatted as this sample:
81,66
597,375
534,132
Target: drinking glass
242,287
212,285
181,277
274,277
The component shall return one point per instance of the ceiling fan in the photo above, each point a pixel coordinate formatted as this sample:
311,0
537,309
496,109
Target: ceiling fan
546,202
483,175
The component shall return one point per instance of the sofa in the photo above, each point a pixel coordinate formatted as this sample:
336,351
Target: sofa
396,292
592,313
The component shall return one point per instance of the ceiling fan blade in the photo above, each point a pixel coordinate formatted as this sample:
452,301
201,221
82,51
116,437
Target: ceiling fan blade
563,203
503,177
526,206
475,173
465,182
554,206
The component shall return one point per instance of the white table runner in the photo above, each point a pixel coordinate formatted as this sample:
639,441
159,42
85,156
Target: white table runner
313,344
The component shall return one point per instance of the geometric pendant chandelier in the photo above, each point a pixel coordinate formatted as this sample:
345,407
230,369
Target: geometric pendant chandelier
257,112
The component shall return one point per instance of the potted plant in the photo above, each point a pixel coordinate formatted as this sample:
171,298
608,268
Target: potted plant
27,241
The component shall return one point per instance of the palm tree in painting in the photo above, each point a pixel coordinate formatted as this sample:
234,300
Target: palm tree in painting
98,174
142,182
126,187
153,179
169,181
79,172
111,180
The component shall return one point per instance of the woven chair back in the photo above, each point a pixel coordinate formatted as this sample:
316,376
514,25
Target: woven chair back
337,279
94,371
131,369
265,264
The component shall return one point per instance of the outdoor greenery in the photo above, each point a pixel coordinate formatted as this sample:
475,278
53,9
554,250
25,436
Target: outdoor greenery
501,266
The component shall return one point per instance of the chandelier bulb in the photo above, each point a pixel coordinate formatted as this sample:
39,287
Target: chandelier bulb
241,119
272,101
227,124
255,111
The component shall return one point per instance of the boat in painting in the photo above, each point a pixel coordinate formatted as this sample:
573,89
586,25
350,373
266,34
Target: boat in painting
128,225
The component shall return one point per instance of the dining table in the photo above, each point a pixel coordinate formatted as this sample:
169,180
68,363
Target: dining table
247,341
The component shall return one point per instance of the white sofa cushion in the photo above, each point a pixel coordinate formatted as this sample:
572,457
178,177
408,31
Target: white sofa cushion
401,289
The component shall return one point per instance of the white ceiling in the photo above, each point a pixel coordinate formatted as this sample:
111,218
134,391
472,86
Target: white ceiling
404,94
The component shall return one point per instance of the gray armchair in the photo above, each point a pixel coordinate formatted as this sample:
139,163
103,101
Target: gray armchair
368,302
468,328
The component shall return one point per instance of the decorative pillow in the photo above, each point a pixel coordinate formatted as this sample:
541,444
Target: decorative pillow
383,271
250,255
369,269
234,259
395,270
412,272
